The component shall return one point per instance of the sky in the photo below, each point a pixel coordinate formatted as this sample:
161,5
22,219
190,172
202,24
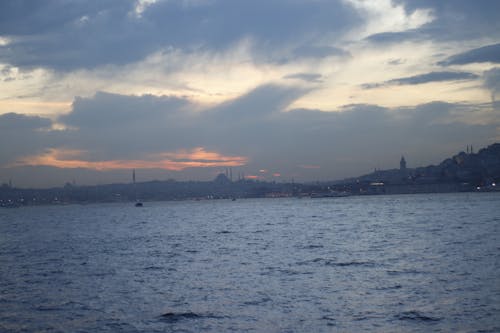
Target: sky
276,90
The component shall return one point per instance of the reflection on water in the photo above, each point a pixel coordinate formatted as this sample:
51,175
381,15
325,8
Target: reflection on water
414,263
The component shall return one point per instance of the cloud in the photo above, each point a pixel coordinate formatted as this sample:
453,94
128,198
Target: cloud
391,37
457,20
112,126
492,81
310,51
262,102
106,110
21,134
174,161
446,21
489,53
386,20
260,84
209,50
307,77
252,132
63,35
434,77
12,122
424,78
396,62
51,15
73,35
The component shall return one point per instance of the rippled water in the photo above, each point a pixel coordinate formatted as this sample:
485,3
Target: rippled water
413,263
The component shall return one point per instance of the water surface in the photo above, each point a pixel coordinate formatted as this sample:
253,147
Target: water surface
411,263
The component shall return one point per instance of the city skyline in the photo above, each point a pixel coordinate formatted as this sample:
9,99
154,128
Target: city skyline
278,90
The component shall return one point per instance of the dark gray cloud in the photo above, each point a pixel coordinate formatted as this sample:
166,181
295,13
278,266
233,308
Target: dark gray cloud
14,122
458,19
22,135
308,77
425,78
390,37
105,110
77,34
27,18
434,77
255,125
111,126
262,102
221,22
488,53
66,35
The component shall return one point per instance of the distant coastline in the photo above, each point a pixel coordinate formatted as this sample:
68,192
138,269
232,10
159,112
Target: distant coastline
465,172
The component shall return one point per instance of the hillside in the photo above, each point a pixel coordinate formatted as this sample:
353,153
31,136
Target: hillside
478,169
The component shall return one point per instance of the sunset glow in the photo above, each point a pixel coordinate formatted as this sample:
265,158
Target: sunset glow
174,161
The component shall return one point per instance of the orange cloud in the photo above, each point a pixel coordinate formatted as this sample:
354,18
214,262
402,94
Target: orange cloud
175,161
199,154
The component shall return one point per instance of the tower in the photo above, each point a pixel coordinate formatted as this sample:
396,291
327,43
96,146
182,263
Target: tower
403,172
402,164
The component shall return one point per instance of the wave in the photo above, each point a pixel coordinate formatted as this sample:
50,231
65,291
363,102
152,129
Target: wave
173,317
154,268
335,263
397,286
258,301
310,247
348,263
416,316
404,272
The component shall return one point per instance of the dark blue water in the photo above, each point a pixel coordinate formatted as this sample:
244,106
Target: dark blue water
413,263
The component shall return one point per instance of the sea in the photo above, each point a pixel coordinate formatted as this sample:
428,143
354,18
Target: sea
399,263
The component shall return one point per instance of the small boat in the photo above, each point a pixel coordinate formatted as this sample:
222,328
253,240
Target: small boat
138,204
